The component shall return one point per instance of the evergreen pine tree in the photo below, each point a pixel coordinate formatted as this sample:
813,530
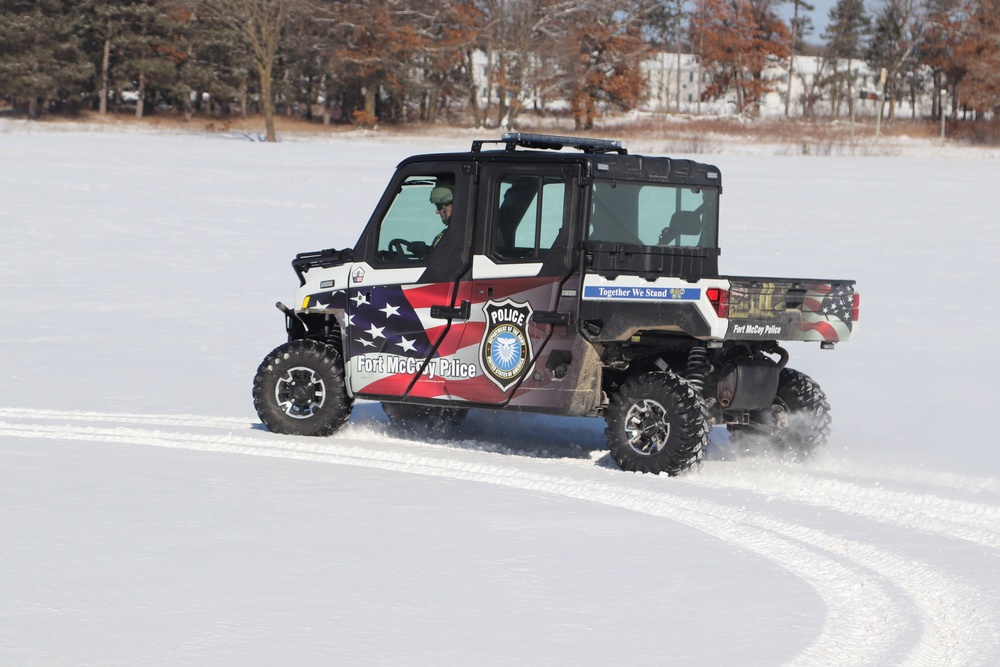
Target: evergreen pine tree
42,63
845,33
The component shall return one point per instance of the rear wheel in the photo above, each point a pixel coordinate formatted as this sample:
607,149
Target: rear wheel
299,390
424,419
656,423
797,423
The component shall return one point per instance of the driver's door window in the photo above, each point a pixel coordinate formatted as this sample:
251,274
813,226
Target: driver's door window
417,218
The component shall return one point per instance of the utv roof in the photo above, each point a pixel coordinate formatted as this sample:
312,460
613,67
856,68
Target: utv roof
607,157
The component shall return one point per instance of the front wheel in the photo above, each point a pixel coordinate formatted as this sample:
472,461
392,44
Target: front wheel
657,423
299,389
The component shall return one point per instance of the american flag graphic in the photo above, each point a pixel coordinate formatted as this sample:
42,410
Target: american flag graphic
385,319
391,328
390,333
827,311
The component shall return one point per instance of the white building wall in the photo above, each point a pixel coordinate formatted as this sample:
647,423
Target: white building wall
661,77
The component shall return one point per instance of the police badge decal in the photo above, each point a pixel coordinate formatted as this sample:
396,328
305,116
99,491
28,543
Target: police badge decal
505,353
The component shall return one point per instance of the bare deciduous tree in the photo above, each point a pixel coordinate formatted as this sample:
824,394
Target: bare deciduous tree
260,23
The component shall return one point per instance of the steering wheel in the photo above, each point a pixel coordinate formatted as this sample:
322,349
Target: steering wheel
402,248
399,247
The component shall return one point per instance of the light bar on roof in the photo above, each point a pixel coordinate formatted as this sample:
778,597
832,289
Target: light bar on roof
554,142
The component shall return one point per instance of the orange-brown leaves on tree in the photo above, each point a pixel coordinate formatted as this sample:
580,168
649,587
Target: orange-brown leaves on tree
738,40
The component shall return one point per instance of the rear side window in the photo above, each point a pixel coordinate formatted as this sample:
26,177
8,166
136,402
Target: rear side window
654,214
529,215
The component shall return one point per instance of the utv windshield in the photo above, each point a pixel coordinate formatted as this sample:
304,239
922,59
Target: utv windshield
654,214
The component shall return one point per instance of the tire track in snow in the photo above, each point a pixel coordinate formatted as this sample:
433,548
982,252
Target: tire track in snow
857,602
975,522
126,418
864,623
978,523
939,481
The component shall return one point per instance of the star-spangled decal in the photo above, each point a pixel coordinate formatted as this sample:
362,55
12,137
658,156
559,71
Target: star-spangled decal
383,320
838,303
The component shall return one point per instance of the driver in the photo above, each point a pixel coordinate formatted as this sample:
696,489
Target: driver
442,198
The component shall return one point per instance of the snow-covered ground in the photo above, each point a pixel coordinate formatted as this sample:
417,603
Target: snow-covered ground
147,519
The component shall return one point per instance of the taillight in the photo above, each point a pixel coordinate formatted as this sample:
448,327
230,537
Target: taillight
856,307
719,299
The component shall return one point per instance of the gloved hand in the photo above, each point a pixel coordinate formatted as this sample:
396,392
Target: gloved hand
419,249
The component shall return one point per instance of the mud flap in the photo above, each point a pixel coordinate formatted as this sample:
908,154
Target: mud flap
749,385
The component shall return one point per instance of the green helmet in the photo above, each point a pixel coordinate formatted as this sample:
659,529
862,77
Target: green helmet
442,195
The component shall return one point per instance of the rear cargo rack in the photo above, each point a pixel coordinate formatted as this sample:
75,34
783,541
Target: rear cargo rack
513,140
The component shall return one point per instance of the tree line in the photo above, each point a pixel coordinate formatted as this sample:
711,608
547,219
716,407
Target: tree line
401,61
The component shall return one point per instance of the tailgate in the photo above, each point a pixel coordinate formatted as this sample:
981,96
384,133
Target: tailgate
791,309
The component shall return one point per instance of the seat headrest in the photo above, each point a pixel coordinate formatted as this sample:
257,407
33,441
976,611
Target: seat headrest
685,223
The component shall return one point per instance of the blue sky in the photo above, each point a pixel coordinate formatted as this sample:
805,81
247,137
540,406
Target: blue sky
818,16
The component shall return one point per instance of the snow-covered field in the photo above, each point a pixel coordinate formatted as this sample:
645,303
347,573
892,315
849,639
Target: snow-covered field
147,519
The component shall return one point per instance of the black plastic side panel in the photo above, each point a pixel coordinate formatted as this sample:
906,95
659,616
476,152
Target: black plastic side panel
608,321
657,169
614,259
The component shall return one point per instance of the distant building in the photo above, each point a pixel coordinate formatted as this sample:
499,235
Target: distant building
810,74
810,82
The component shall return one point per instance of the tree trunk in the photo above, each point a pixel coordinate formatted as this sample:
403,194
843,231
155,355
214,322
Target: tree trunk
513,110
477,119
105,67
791,60
502,117
835,90
140,103
490,79
850,88
937,106
680,11
433,100
502,107
267,100
326,101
